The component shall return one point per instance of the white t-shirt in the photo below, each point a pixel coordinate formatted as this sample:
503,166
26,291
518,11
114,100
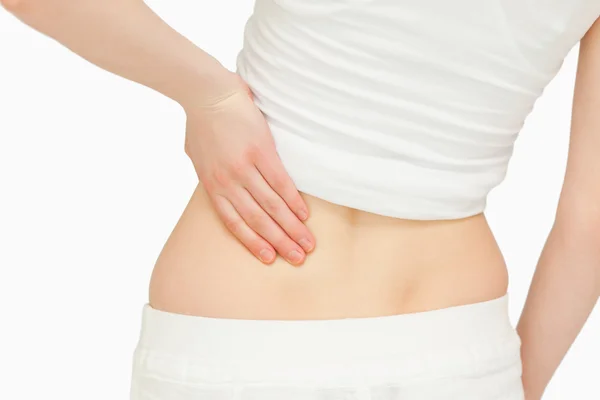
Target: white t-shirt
404,108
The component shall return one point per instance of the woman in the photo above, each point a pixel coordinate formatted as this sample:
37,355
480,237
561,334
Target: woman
388,122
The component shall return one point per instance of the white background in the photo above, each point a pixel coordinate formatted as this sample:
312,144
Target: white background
93,178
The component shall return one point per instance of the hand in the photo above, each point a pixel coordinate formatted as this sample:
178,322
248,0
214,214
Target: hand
234,155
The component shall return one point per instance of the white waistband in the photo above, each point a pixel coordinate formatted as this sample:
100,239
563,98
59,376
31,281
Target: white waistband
469,337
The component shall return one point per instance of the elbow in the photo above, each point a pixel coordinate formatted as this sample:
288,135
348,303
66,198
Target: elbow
580,233
580,230
582,223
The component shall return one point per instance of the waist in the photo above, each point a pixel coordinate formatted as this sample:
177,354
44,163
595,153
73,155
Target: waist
363,265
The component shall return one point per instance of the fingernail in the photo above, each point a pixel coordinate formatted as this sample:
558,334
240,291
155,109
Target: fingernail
303,215
306,244
266,255
294,256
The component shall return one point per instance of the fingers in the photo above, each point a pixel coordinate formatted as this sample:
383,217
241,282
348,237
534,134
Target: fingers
278,210
238,227
258,201
261,222
273,171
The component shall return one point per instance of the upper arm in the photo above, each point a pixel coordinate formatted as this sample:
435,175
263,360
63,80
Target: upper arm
579,204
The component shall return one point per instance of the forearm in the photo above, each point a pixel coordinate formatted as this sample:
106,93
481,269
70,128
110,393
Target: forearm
564,290
125,37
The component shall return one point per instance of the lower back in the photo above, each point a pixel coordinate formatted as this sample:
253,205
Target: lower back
363,265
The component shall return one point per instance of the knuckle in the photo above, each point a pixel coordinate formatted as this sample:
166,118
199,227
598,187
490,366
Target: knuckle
234,225
239,168
209,184
254,152
279,181
272,205
255,220
258,221
221,178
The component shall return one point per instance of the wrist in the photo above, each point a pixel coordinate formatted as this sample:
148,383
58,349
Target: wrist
213,87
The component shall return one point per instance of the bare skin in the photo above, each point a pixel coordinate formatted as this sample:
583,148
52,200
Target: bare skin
363,265
356,263
566,284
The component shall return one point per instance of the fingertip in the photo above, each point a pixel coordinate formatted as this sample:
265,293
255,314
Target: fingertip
306,244
302,214
266,256
296,257
300,263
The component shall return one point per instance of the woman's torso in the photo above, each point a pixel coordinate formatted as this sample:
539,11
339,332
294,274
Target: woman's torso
363,265
395,119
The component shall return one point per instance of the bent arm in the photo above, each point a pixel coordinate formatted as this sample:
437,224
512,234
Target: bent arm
125,37
566,284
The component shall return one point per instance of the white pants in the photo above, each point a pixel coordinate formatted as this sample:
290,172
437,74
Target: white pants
468,352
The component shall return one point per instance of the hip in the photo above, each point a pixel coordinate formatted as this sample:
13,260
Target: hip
363,265
463,352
